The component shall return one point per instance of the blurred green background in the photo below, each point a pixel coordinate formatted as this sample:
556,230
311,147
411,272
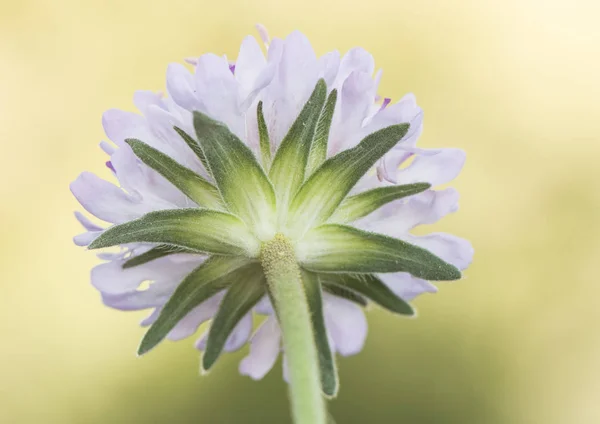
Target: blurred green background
516,83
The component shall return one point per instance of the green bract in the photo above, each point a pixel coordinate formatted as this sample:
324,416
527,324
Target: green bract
292,197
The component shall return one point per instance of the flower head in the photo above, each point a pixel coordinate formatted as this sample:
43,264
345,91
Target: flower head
287,157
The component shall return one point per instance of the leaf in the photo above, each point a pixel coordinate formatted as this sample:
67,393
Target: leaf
157,252
200,230
191,184
314,296
318,150
263,135
372,288
193,144
340,248
289,164
241,180
363,204
325,189
241,297
214,275
342,291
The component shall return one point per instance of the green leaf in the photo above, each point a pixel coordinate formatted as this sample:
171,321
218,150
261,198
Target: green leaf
241,180
157,252
343,292
191,184
214,275
193,144
243,294
363,204
372,288
325,189
318,150
289,164
340,248
314,296
200,230
263,135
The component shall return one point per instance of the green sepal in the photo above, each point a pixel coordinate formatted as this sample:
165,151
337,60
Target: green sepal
325,189
343,249
372,288
289,165
244,187
193,144
191,184
200,230
314,297
263,136
157,252
214,275
363,204
318,150
343,292
241,297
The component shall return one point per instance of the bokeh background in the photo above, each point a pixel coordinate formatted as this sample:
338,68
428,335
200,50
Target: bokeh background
516,83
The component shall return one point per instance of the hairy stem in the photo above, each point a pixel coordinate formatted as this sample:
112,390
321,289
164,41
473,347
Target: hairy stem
287,293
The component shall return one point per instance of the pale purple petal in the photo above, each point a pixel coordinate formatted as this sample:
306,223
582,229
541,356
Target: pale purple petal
452,249
398,217
86,223
142,99
346,323
264,350
406,286
200,314
120,125
238,337
182,87
106,201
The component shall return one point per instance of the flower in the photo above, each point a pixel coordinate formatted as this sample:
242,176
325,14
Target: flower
287,150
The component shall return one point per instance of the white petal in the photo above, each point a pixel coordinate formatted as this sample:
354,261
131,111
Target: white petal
406,286
264,350
346,323
452,249
104,200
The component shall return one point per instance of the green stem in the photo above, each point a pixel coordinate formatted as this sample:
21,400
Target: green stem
287,293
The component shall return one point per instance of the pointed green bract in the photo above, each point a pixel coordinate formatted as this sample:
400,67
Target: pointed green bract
241,180
372,288
214,275
363,204
314,296
241,297
193,144
318,150
191,184
157,252
200,230
343,292
325,189
289,165
340,248
263,135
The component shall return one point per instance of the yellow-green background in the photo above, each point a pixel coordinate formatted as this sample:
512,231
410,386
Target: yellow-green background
516,83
